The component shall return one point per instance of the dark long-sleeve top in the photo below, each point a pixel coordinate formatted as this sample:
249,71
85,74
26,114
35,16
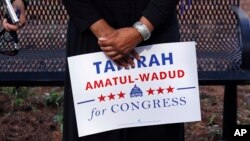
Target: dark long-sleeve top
119,13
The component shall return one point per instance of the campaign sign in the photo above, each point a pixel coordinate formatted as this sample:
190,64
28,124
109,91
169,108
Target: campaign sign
161,89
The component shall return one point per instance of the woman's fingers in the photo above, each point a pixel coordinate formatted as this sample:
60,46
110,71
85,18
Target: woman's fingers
129,60
109,52
126,62
105,41
107,49
117,63
112,55
121,59
135,54
10,27
5,24
123,63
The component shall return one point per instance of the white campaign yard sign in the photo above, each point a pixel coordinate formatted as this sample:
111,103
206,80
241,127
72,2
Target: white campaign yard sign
161,89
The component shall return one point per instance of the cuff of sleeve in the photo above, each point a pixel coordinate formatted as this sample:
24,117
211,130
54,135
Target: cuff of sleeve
154,17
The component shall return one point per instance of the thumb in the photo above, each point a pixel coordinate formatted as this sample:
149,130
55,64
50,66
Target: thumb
108,36
103,39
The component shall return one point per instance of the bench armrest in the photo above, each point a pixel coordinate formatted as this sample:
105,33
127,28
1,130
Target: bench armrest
244,25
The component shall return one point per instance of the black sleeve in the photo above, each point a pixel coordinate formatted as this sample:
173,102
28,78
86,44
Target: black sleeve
82,12
158,11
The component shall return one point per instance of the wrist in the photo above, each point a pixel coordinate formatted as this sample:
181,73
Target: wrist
101,28
137,35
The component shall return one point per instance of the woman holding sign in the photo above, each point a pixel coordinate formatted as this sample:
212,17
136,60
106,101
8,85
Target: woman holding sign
116,27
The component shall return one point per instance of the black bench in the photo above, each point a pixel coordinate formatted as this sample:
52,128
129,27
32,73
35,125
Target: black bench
219,27
222,32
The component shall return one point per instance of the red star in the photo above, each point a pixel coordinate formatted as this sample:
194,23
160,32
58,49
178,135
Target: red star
111,96
170,89
150,92
101,98
121,95
160,90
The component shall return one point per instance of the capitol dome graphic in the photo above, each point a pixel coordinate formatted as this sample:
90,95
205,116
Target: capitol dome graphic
136,92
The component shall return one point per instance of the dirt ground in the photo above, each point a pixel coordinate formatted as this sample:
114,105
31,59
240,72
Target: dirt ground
210,128
38,115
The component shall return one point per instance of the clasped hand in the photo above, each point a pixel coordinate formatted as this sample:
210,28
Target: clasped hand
119,46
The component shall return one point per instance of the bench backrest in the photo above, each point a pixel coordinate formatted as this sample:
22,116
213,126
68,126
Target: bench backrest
214,26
